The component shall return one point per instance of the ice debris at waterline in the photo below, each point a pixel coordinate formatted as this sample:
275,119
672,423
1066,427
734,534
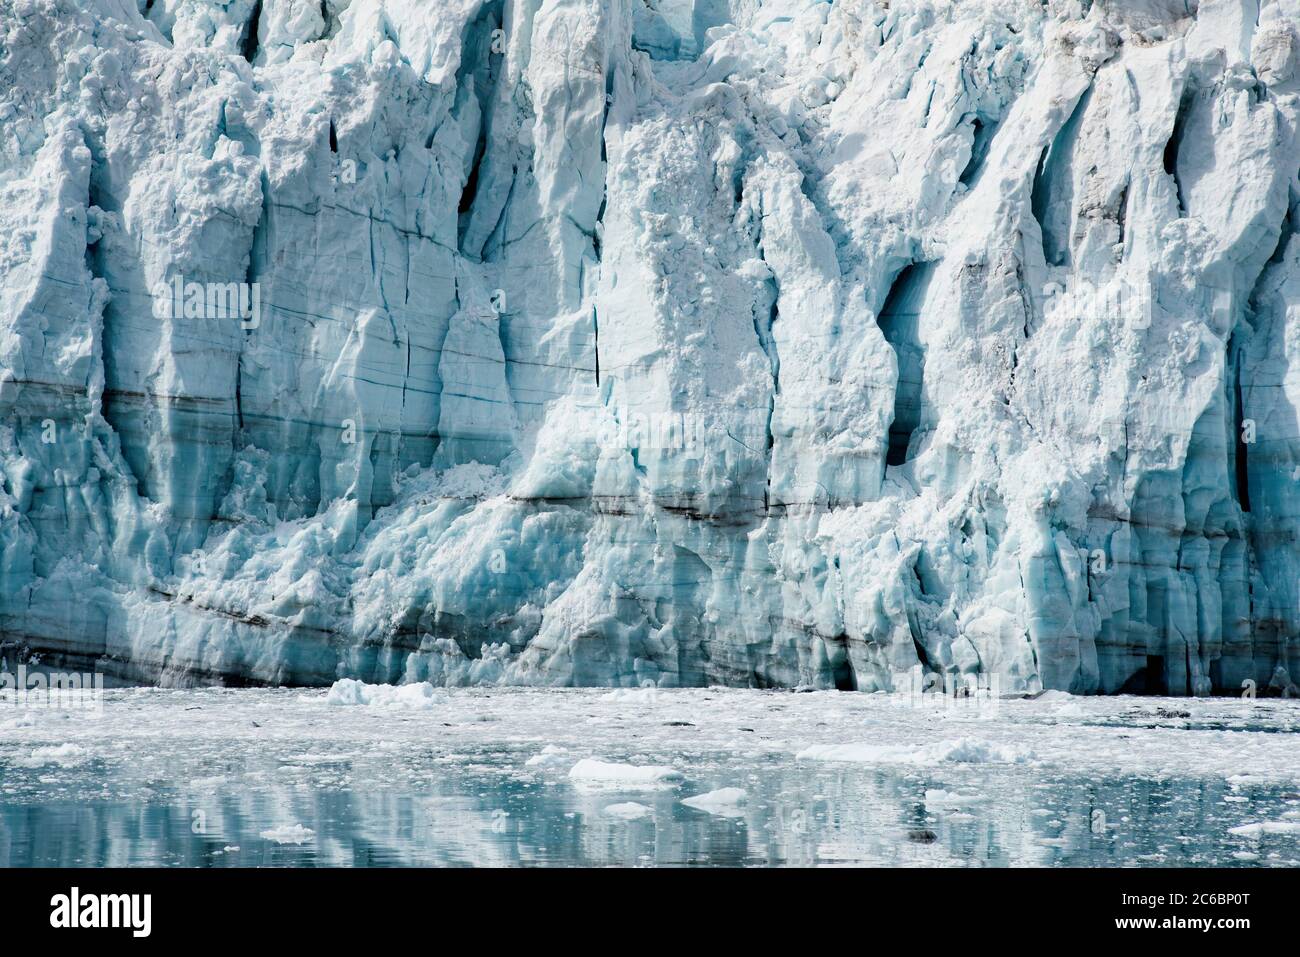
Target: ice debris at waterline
280,776
610,342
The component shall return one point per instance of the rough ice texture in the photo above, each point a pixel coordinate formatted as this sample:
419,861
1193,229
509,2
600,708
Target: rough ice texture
680,342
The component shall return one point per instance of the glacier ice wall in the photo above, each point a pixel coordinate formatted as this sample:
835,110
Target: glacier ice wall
678,341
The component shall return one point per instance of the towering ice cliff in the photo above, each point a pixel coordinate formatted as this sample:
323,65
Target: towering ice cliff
673,341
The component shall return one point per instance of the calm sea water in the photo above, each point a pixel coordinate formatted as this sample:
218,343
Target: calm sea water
219,779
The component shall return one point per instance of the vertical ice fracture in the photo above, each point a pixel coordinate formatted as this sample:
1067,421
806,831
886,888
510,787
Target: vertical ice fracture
614,342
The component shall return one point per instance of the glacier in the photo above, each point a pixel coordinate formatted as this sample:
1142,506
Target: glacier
652,342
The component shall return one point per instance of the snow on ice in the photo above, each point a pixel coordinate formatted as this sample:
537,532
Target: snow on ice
606,342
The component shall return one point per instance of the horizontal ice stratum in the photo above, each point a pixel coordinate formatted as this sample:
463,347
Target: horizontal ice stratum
672,342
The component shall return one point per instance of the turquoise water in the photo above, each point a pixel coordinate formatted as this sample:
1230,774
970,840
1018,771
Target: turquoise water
864,818
274,778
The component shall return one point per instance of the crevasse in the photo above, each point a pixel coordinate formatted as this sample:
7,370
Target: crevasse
680,342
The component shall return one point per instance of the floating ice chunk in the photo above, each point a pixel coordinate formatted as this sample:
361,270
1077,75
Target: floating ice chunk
288,834
724,801
958,750
207,783
629,811
632,695
548,755
1255,831
312,757
1246,780
939,798
349,691
600,775
973,751
860,753
63,754
1071,709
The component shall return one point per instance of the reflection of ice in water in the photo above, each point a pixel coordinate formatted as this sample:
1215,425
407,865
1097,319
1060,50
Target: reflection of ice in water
479,776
